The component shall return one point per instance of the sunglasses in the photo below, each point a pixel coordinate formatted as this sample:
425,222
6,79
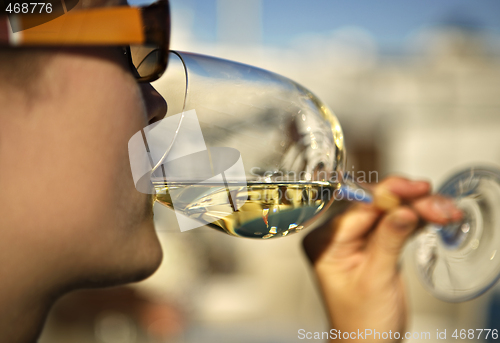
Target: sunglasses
142,32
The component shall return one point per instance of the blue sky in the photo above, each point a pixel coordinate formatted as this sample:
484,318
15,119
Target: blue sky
389,21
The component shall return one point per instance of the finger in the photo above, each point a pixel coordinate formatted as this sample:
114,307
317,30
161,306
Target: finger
385,200
389,238
392,191
340,232
356,223
405,188
437,209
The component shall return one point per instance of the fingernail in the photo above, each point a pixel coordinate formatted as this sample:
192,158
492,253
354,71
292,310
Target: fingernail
446,208
420,184
400,223
385,200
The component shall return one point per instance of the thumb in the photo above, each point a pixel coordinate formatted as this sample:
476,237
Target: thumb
389,238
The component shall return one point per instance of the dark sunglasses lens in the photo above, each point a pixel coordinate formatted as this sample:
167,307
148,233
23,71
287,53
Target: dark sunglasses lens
146,59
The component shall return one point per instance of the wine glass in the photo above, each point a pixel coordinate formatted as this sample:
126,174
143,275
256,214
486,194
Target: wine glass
458,262
256,155
289,143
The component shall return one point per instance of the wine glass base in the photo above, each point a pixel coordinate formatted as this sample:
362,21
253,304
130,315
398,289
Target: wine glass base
460,261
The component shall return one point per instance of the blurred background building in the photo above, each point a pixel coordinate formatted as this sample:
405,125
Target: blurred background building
416,86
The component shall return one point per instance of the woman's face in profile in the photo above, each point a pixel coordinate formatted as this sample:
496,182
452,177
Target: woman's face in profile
70,189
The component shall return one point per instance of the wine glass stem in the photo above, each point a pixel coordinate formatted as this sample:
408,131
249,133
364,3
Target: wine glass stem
352,191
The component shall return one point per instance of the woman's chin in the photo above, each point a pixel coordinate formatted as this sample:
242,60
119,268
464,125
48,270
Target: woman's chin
137,259
132,269
148,257
150,263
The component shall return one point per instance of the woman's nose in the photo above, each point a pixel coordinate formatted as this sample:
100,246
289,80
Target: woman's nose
156,106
